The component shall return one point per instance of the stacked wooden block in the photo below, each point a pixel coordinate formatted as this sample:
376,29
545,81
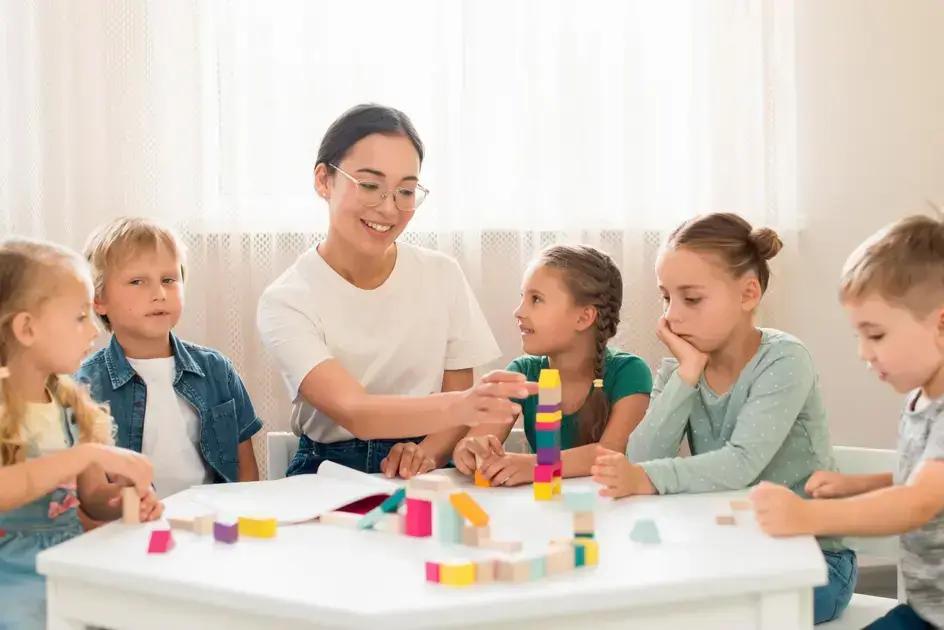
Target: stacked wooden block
586,548
547,433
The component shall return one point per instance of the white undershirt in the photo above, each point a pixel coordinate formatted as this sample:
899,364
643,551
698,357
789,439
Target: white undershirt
171,430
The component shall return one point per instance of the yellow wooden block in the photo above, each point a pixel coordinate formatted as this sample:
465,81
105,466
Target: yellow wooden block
556,486
257,527
457,573
591,550
548,418
549,379
543,491
468,508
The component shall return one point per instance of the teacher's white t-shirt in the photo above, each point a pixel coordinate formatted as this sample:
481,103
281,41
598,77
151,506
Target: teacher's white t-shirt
396,339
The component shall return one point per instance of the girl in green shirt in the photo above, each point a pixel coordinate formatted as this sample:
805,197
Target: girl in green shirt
569,310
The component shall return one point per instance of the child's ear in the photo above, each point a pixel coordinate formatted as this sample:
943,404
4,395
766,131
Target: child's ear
24,329
99,307
586,318
750,292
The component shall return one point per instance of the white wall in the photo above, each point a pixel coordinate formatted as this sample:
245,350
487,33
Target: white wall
870,148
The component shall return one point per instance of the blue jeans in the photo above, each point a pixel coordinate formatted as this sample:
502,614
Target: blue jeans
901,617
362,455
832,598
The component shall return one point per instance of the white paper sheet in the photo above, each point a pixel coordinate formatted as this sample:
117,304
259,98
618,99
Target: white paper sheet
289,500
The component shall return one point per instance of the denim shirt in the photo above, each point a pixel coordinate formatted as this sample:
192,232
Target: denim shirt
203,377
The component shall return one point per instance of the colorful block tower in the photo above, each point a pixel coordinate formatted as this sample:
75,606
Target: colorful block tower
547,427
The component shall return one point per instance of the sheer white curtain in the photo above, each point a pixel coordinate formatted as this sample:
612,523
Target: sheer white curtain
601,122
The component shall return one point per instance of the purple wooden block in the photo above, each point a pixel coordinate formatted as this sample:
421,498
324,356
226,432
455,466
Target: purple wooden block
548,455
227,533
549,408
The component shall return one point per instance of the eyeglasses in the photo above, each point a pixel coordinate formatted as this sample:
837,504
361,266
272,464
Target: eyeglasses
372,194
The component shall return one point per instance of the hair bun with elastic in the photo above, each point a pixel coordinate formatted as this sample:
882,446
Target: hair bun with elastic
766,242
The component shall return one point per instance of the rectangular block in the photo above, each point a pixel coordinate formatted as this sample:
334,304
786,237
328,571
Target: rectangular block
507,546
584,535
448,523
546,439
583,523
340,519
432,572
537,568
469,509
392,523
516,570
543,491
542,419
203,525
474,536
225,532
419,518
457,573
580,501
485,571
544,473
591,556
549,378
549,397
556,486
257,527
161,541
184,524
549,455
580,555
130,506
481,481
549,408
725,519
741,505
421,494
559,469
433,482
560,559
394,501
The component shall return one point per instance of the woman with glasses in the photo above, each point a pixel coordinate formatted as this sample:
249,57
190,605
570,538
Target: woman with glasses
376,339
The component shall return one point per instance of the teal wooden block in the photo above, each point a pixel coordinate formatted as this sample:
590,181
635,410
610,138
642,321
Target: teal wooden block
645,531
371,518
448,523
393,502
538,568
547,439
583,501
580,555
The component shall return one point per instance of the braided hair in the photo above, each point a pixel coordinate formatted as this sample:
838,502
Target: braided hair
593,279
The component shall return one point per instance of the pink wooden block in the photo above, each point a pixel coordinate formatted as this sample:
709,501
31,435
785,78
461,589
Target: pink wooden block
161,541
432,572
419,518
544,473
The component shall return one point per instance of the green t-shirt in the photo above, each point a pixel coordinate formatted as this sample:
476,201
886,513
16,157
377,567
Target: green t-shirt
624,374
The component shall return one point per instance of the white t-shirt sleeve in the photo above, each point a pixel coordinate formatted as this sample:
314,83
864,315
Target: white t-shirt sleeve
470,343
295,338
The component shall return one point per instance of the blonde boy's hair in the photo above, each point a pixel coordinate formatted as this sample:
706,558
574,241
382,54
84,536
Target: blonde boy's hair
114,243
902,263
32,272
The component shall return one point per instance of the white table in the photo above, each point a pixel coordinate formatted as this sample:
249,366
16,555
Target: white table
702,575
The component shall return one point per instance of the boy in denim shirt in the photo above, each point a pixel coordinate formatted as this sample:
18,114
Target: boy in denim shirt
893,291
182,405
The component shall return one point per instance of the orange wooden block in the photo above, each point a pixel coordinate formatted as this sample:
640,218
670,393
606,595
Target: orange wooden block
481,481
469,509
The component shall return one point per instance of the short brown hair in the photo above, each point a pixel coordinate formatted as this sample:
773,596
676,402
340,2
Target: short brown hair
113,243
742,248
902,263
